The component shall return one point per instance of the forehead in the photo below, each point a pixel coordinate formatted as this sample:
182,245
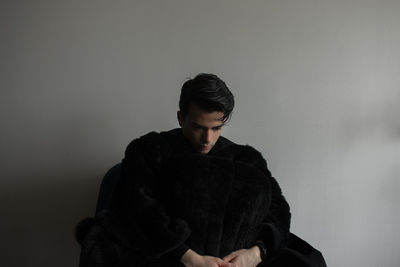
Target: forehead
203,117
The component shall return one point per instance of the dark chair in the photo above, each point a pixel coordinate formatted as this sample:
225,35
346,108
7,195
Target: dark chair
107,185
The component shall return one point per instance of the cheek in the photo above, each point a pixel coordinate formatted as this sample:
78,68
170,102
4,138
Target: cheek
216,136
197,136
194,136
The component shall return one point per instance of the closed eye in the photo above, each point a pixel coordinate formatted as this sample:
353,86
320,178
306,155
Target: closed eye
197,126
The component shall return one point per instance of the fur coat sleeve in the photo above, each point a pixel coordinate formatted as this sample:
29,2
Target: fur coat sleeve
143,222
276,226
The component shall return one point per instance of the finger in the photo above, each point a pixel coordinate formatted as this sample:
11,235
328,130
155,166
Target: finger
226,264
221,262
235,261
229,257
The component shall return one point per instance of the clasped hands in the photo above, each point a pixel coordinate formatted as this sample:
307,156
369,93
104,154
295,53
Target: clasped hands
239,258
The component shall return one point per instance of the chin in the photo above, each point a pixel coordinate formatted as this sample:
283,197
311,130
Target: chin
204,151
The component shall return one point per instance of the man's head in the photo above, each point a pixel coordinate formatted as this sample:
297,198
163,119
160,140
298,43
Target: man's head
205,105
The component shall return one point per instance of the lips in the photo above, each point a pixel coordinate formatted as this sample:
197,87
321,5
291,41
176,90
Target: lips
205,147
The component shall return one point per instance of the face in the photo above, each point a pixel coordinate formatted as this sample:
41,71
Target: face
201,128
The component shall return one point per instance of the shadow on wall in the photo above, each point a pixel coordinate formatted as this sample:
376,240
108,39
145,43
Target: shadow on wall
39,215
379,121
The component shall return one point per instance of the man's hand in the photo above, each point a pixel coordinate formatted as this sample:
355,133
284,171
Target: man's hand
192,259
244,257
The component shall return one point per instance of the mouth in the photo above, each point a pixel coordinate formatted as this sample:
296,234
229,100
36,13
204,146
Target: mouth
203,148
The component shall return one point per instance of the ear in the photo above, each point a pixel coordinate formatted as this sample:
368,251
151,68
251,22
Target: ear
179,117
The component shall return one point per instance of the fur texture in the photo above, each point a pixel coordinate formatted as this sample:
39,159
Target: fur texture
170,199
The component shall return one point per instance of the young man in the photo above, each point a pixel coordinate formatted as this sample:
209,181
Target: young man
190,197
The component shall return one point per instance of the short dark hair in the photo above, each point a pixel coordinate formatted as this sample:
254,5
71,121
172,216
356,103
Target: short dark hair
208,92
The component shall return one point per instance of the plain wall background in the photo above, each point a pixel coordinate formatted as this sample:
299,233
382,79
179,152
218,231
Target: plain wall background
317,92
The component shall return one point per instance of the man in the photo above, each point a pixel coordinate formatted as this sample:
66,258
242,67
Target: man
190,197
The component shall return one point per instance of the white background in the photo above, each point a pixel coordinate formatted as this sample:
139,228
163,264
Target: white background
317,90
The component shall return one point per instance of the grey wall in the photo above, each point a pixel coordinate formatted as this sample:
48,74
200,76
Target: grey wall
317,90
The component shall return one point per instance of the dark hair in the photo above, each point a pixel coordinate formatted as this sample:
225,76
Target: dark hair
208,92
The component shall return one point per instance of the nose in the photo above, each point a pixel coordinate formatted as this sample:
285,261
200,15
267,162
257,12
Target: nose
207,136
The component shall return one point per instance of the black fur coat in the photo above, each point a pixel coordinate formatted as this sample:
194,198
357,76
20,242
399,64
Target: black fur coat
170,198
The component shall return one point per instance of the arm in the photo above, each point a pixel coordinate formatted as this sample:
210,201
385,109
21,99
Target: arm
140,219
275,228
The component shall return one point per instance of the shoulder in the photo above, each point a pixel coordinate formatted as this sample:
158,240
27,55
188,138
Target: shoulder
248,154
252,157
244,153
151,145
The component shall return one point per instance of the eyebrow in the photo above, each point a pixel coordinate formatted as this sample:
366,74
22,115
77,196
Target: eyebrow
201,126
